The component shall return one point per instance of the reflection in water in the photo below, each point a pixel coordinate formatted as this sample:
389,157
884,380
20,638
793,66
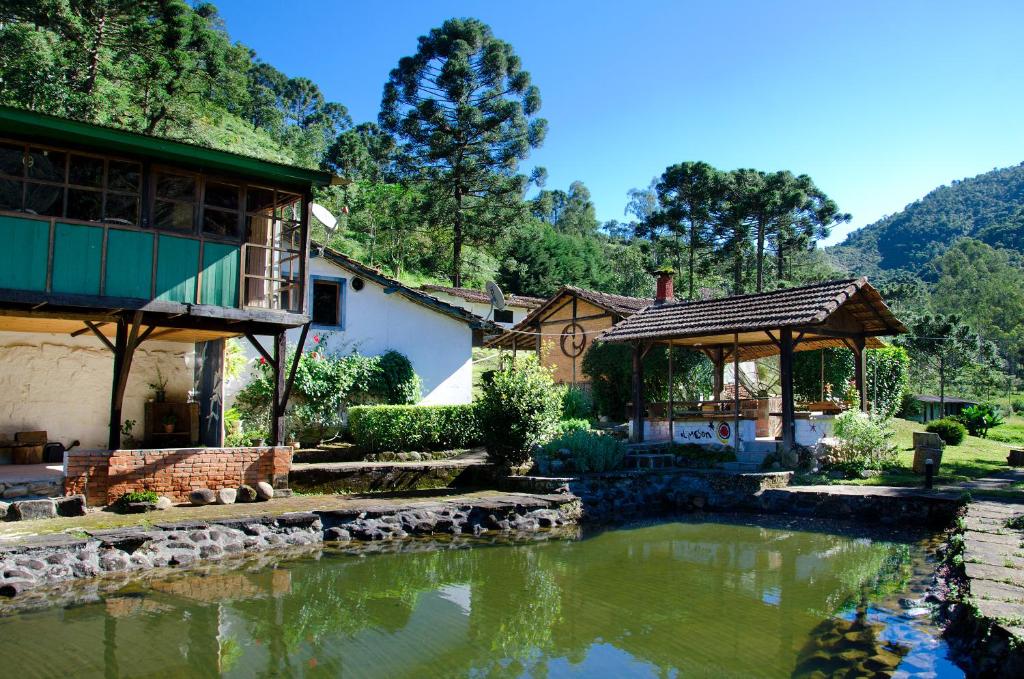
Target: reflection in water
696,597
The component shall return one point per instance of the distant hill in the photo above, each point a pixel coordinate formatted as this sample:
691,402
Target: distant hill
989,207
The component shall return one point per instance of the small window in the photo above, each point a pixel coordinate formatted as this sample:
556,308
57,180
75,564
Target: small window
326,303
221,209
174,205
503,316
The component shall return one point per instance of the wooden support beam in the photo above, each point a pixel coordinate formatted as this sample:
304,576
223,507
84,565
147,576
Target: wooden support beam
124,351
786,377
671,397
638,394
145,335
259,347
719,376
87,328
277,423
96,331
736,391
295,366
860,372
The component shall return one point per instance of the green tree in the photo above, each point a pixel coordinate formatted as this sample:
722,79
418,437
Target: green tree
947,346
464,111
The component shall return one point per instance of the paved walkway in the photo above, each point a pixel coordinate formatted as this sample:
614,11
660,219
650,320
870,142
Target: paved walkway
994,562
998,481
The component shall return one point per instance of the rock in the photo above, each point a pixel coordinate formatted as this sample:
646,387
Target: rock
163,502
918,612
28,510
4,507
226,496
415,457
246,494
70,505
15,491
201,496
336,534
869,473
139,507
264,491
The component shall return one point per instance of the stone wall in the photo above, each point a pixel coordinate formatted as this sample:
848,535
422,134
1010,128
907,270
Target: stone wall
103,476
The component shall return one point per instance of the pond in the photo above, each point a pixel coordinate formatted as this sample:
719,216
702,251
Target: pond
716,596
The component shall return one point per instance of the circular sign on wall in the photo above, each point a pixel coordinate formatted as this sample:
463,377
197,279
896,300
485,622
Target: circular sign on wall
724,432
573,340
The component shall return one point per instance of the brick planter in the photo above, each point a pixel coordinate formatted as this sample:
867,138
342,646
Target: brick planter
103,475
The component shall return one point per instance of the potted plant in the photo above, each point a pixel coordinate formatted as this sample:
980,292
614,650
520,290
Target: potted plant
127,440
159,386
169,421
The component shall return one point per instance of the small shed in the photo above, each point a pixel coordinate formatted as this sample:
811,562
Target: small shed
936,407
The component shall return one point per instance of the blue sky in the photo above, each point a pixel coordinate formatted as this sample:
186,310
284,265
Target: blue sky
878,101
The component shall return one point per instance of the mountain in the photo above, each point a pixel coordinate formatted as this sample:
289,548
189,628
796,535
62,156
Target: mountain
988,207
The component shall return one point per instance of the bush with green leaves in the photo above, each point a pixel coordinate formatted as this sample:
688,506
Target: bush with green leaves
980,418
581,451
121,504
1017,405
865,442
519,408
400,428
702,457
948,429
887,374
568,426
576,403
326,383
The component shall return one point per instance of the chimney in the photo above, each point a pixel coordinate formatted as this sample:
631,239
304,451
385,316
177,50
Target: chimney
665,292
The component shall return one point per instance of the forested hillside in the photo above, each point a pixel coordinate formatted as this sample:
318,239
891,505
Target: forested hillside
989,208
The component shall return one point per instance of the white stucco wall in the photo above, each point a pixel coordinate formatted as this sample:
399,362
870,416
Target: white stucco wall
439,346
61,384
481,310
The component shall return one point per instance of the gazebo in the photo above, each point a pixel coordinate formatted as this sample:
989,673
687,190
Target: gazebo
844,313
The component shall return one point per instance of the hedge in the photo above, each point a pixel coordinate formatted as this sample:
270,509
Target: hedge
420,428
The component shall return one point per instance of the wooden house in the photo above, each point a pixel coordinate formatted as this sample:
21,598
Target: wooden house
562,329
129,239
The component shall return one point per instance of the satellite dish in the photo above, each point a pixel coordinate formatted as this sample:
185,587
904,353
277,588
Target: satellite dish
496,295
324,216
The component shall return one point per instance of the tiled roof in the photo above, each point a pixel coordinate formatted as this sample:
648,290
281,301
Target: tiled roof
482,297
793,307
413,295
620,304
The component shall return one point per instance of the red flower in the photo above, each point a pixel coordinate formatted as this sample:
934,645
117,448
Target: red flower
316,339
263,361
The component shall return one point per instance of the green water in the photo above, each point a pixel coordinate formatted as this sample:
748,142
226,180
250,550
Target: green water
716,598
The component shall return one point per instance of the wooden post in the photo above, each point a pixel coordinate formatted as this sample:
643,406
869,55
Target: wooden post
638,393
671,397
126,339
208,377
277,425
859,372
786,377
736,390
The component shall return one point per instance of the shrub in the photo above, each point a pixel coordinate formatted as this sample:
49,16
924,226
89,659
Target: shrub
865,442
576,404
980,418
569,426
582,451
403,428
949,430
694,455
887,376
910,406
518,409
393,380
121,504
1017,405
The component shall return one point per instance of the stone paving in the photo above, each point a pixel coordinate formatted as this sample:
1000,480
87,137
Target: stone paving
994,562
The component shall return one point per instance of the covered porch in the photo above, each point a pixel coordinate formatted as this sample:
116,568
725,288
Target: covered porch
731,330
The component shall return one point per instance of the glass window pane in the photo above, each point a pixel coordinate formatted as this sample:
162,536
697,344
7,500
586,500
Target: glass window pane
173,216
220,223
46,164
41,199
122,209
85,171
289,206
12,158
123,176
258,200
86,205
176,186
222,195
325,303
10,194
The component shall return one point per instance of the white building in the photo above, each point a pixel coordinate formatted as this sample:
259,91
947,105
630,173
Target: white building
355,307
477,302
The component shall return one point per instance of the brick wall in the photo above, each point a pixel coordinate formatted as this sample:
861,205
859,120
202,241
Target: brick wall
103,476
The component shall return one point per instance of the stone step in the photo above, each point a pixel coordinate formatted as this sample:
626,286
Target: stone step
741,466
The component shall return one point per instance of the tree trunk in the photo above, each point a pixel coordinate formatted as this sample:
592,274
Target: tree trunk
942,386
457,241
693,255
94,54
761,227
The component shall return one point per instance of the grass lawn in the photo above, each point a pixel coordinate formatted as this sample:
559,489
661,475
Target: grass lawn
972,459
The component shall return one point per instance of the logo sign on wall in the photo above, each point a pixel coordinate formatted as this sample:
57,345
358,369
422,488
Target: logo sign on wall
703,432
573,340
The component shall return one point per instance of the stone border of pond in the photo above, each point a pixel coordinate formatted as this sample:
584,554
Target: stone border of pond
983,577
53,560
